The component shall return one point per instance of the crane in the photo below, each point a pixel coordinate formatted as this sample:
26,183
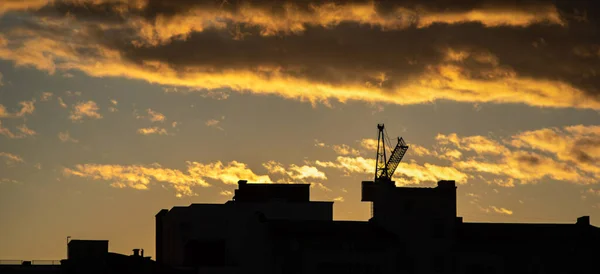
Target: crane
384,168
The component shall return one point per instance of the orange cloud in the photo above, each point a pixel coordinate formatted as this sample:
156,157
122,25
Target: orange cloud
23,129
438,80
294,172
11,158
142,176
155,116
27,107
568,154
152,130
82,110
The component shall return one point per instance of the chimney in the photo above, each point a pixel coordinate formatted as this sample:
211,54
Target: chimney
583,220
136,252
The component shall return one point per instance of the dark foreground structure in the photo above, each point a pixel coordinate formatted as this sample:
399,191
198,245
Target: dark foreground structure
275,228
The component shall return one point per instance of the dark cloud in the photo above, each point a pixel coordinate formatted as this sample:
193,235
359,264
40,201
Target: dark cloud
357,48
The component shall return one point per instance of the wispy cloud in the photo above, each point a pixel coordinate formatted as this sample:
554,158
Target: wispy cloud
338,199
155,116
113,108
66,137
24,131
152,130
141,177
10,158
345,150
465,70
62,103
83,110
46,96
565,154
295,172
27,107
497,210
215,123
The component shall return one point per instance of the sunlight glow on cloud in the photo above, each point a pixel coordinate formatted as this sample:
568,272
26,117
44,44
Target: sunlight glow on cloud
294,172
66,137
568,154
24,131
155,116
27,108
152,130
11,158
475,76
83,110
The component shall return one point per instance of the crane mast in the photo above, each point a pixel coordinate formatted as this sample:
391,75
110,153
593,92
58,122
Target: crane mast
384,167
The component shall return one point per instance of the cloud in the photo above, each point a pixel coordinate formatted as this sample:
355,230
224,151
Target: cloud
152,130
478,144
113,108
66,137
155,116
27,108
501,210
226,193
295,172
11,159
406,173
369,144
214,123
338,199
24,131
345,150
321,186
62,103
138,177
143,176
566,154
46,96
73,93
82,110
243,50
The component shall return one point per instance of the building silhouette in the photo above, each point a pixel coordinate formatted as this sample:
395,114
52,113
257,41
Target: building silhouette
275,228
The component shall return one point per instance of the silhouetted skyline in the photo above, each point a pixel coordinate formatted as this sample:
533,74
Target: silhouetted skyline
113,110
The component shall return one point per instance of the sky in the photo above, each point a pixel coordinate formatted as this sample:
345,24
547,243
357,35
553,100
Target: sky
111,110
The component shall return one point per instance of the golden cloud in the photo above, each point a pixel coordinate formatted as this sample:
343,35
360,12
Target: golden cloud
27,107
23,129
82,110
152,130
295,172
345,150
292,71
568,154
156,116
142,176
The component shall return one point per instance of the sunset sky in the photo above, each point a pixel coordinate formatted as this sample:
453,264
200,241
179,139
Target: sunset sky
111,110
